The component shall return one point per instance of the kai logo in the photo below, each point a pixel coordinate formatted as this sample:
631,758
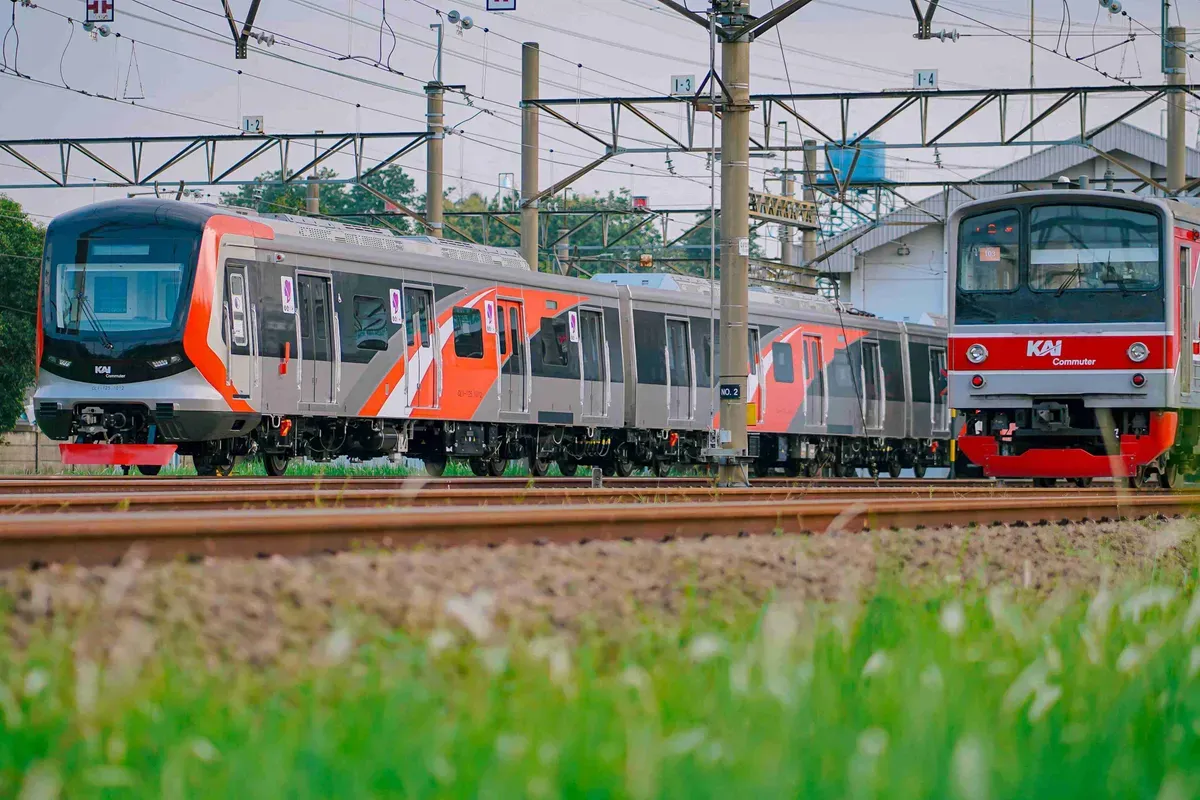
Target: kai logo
103,370
1044,347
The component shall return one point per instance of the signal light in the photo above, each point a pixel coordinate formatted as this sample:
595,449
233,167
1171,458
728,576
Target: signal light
977,381
1138,379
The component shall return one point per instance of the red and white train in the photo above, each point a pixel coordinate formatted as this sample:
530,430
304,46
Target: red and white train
1073,342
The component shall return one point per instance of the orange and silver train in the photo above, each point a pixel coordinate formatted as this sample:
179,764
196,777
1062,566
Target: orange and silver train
1073,336
170,327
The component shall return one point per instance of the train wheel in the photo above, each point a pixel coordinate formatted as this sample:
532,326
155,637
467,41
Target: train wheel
1044,483
567,467
793,469
918,469
622,467
847,471
812,469
894,466
759,469
478,467
435,466
149,470
497,466
661,469
1139,478
1082,483
275,465
538,467
1168,476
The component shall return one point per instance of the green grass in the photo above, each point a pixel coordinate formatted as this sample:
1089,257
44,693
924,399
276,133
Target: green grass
950,691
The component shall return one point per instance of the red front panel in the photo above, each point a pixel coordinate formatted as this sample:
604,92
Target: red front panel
125,455
1072,462
1055,352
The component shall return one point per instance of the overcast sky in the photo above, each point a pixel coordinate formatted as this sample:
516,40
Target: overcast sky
625,47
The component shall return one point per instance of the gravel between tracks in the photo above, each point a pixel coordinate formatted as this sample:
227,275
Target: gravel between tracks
276,610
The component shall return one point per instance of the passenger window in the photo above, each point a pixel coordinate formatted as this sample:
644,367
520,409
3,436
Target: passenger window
781,357
468,333
554,341
370,323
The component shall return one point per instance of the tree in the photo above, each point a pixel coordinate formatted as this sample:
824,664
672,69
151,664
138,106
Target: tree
268,196
20,265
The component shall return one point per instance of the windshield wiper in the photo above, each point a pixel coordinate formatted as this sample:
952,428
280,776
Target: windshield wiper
87,309
1075,273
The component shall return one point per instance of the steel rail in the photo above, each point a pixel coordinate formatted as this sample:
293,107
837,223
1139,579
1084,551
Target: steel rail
131,484
107,538
252,498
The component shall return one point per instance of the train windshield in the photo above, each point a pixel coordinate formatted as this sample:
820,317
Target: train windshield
118,283
1060,264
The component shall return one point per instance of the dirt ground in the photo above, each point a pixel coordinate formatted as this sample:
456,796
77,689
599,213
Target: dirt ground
263,611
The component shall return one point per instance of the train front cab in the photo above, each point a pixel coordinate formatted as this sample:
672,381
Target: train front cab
1071,345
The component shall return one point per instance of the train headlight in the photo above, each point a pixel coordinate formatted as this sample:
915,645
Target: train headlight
60,362
977,354
163,363
1138,352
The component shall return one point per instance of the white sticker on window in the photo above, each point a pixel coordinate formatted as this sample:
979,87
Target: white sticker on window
489,315
239,330
573,325
397,309
287,289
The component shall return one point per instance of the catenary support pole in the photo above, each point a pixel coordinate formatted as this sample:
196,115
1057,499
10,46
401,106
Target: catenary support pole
530,64
312,199
1176,109
809,237
787,234
435,157
735,252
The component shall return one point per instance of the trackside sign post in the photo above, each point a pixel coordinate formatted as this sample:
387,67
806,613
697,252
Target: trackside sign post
100,10
501,5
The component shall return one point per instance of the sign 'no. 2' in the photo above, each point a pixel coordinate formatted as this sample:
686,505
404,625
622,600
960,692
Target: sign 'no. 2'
501,5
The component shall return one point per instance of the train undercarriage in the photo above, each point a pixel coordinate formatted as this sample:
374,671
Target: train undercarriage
486,448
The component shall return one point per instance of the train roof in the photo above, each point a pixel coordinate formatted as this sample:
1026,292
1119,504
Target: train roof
691,284
1183,208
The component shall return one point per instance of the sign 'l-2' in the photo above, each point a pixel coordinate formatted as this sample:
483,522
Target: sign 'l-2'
1044,347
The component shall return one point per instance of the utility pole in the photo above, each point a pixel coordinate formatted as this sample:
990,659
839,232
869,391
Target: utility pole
732,22
1176,69
787,254
312,202
735,241
809,237
434,148
530,87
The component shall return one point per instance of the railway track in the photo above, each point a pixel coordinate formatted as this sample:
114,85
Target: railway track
127,485
91,537
251,497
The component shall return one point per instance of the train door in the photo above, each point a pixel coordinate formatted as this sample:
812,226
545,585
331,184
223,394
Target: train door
595,363
422,377
1186,323
756,380
679,370
514,369
939,388
315,293
814,381
872,371
241,334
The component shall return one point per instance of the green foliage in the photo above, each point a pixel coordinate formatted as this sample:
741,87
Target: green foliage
269,197
20,264
948,692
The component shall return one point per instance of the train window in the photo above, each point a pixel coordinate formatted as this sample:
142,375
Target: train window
554,341
988,249
781,357
678,363
814,399
502,330
370,323
237,302
872,385
592,330
939,385
111,294
468,332
706,359
1081,248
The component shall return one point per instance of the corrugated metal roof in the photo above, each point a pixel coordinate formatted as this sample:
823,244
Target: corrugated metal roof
1052,161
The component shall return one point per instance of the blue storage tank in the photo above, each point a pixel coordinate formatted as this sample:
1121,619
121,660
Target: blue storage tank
869,169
